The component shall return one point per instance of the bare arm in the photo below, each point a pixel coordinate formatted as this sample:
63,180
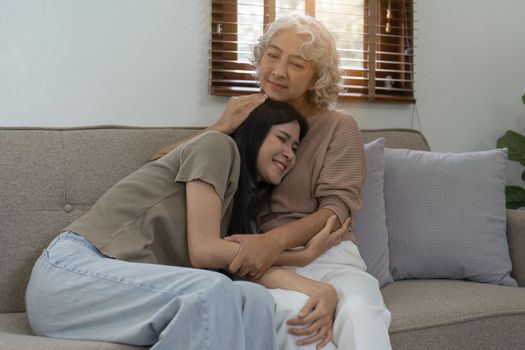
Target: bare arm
317,245
315,319
299,232
206,247
236,111
208,250
252,258
323,240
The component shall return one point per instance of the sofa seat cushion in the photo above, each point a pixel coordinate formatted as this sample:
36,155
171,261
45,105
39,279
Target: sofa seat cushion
16,334
447,314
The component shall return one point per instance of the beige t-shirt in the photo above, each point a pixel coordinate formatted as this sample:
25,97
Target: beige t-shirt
329,173
142,218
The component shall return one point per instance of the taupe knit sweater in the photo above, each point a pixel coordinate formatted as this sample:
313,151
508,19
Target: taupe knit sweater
329,173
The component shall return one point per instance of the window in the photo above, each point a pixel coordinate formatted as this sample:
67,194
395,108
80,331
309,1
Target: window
374,39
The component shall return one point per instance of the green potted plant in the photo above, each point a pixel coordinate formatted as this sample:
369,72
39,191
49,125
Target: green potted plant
515,142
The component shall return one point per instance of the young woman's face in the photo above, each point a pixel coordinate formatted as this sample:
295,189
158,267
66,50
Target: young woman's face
284,74
277,153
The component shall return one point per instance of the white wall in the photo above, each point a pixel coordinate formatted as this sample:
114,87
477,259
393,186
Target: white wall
128,62
470,71
145,62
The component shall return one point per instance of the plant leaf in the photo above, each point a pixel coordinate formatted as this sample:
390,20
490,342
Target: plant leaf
515,197
523,99
515,142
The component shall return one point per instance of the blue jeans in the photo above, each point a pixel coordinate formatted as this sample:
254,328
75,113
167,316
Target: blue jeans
75,292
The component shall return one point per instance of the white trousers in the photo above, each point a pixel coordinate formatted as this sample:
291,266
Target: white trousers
361,320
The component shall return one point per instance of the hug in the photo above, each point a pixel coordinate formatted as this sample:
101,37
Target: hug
260,195
281,224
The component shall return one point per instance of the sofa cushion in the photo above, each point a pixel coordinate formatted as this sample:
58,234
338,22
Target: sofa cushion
446,215
15,334
446,314
369,223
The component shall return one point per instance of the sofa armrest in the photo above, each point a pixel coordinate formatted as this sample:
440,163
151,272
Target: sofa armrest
516,239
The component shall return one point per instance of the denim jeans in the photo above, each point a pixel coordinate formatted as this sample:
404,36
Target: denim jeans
75,292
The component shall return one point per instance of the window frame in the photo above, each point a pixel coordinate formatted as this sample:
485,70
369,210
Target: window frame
379,59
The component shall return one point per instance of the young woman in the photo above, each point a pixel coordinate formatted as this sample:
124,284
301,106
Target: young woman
297,63
125,271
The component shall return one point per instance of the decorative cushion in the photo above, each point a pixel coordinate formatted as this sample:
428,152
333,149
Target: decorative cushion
446,215
369,223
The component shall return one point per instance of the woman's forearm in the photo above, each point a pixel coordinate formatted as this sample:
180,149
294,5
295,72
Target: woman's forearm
260,251
276,277
317,245
214,254
298,233
317,314
297,257
206,248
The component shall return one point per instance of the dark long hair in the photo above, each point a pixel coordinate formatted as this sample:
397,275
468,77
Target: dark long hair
249,138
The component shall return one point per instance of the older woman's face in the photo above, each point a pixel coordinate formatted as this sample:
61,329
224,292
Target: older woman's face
283,74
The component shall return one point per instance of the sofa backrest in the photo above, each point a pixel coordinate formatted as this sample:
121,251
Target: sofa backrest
50,177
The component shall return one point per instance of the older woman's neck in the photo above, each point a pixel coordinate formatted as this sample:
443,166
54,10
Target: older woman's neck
307,109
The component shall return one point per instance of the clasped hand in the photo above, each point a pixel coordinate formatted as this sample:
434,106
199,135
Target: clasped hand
256,254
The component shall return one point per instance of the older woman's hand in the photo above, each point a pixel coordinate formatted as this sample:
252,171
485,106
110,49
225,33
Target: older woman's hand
236,111
316,318
326,238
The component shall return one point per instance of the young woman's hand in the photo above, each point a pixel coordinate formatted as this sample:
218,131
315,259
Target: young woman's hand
236,111
257,253
316,318
326,239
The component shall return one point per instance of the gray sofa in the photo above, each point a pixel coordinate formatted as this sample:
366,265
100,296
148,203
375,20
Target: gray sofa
50,177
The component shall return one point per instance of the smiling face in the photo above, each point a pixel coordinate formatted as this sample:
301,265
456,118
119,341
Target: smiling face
276,156
284,74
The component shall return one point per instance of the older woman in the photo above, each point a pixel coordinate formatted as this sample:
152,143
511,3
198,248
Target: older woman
297,62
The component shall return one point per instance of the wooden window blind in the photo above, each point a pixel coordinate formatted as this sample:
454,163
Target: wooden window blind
374,38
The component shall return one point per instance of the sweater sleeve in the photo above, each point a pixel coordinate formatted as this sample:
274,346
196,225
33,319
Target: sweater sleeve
339,186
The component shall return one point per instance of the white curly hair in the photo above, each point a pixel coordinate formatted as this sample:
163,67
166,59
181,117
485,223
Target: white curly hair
320,48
